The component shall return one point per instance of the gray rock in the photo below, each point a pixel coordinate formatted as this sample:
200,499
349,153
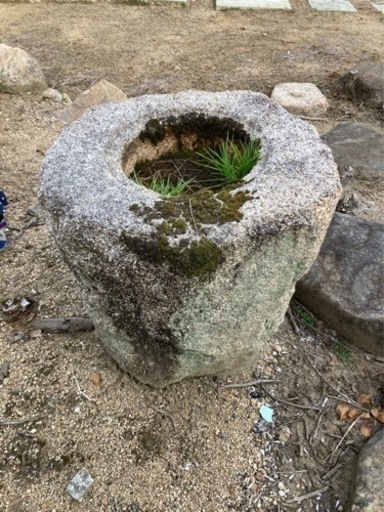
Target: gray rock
365,84
367,490
358,152
70,324
301,99
173,293
345,286
80,485
52,95
102,92
19,72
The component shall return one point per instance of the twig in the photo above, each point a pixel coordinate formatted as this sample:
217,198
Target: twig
285,402
314,432
191,212
293,322
248,384
308,495
350,401
306,118
331,472
346,397
82,392
164,413
344,436
20,422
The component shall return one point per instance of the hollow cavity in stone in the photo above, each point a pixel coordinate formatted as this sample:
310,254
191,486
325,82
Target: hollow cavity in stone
168,151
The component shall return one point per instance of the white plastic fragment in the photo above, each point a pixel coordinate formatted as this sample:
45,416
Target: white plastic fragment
266,413
80,485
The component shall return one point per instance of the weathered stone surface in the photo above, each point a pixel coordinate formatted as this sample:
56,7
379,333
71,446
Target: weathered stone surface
102,92
368,491
345,286
301,99
358,152
365,84
173,293
19,72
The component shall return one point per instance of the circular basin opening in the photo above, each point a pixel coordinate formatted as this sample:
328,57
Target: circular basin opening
180,156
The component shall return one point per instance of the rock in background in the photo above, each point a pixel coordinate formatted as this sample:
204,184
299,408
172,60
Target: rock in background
365,84
102,92
358,152
345,286
19,72
301,99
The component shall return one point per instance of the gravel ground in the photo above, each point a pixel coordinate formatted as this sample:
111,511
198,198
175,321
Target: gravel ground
192,446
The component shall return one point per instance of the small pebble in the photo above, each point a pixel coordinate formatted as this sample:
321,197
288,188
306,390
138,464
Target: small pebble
52,95
96,379
80,485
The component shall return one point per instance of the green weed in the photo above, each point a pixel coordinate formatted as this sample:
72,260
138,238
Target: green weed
164,186
230,161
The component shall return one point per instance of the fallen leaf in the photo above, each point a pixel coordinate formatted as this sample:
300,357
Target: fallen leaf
365,416
365,430
352,414
378,414
365,399
342,410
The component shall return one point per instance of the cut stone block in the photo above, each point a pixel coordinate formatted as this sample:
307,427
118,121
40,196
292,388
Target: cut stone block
332,5
345,286
253,4
379,7
301,99
358,151
192,285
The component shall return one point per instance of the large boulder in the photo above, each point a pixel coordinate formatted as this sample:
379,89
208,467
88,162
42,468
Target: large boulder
19,72
367,491
345,286
365,84
193,285
358,152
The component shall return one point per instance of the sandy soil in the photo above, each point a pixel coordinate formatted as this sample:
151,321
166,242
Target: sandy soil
193,446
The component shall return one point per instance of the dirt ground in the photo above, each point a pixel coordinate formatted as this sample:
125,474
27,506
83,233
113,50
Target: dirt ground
192,446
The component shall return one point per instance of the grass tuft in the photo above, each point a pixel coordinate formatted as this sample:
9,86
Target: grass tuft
231,161
164,187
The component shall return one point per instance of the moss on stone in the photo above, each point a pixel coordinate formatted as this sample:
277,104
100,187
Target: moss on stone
201,257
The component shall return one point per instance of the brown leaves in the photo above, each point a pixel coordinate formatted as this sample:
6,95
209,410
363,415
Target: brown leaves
342,410
378,414
365,430
347,412
365,399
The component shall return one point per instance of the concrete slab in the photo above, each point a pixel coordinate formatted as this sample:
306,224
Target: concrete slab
332,5
379,7
253,4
